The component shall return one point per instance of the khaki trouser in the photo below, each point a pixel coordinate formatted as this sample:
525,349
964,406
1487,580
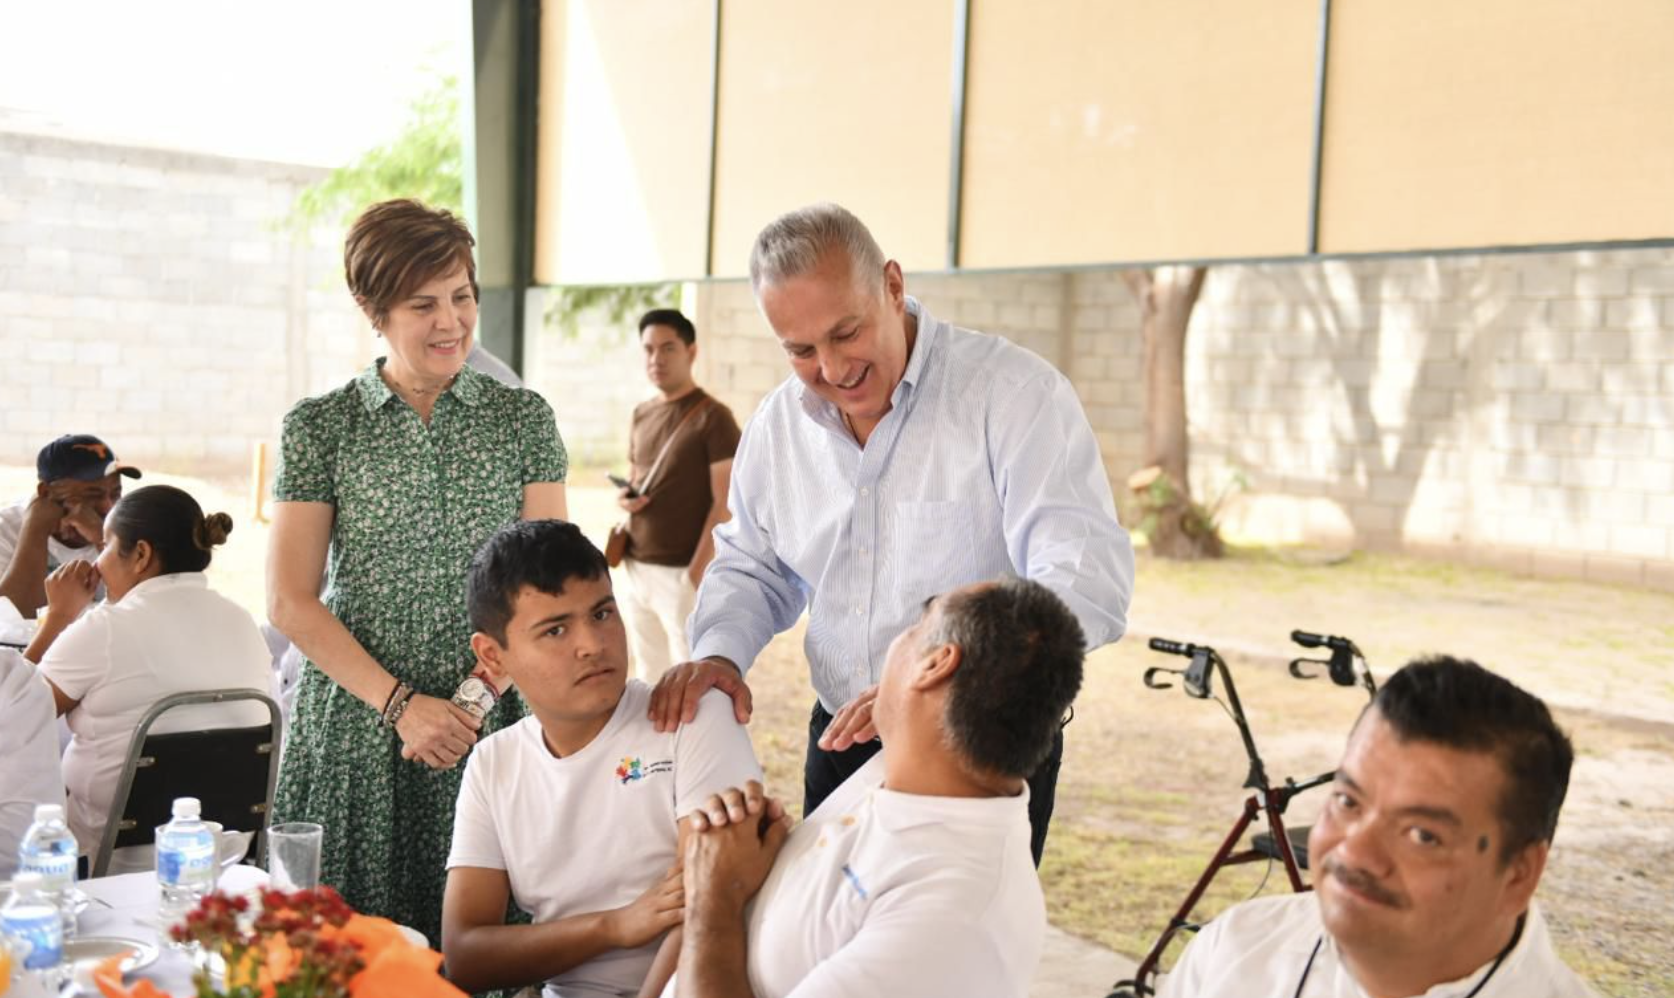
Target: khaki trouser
655,605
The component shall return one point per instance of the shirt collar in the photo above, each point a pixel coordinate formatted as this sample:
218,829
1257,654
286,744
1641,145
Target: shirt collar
467,387
929,332
1523,960
172,580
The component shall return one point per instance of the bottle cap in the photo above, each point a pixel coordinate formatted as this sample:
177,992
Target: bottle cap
187,807
49,812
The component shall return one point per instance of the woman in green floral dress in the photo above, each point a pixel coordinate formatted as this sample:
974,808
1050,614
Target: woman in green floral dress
398,475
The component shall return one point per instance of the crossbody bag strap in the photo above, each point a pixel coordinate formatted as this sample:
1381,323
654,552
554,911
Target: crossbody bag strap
645,483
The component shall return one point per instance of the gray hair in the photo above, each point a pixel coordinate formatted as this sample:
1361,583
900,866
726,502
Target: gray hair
797,241
1022,653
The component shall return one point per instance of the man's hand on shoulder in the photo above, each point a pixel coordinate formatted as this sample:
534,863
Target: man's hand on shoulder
674,700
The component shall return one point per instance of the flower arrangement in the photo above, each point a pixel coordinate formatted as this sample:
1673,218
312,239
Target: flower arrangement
310,943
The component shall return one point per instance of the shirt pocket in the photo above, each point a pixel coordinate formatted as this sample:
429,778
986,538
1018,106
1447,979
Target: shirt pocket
933,550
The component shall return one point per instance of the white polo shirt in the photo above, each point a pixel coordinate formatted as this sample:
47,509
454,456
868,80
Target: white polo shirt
170,634
885,893
29,746
591,831
1262,947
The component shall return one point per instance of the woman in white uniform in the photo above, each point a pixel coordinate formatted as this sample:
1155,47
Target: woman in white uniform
161,631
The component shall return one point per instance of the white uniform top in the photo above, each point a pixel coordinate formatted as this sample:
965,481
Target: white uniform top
885,893
29,746
591,831
1261,947
58,553
170,634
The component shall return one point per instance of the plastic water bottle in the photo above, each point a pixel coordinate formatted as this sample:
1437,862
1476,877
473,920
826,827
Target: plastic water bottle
31,918
49,849
186,865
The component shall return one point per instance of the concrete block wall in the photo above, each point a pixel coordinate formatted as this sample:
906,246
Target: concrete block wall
593,376
145,295
1514,409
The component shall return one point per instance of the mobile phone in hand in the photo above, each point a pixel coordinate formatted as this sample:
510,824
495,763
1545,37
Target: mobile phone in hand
623,483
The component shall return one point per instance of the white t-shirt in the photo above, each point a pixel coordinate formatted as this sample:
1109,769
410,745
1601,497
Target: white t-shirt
1261,947
168,635
885,893
591,831
58,553
30,774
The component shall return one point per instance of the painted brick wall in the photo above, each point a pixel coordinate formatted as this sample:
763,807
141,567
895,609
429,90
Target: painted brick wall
1516,410
145,295
1512,409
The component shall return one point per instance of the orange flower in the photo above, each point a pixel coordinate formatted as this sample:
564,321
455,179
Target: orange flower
108,976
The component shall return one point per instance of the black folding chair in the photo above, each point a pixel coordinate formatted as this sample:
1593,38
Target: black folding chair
230,770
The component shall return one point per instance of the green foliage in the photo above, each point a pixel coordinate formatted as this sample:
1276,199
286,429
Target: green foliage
1174,524
623,304
425,161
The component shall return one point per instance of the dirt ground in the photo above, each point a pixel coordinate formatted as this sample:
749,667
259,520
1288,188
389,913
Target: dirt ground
1151,779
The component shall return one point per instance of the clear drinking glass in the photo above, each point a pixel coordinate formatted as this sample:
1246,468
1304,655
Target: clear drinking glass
293,855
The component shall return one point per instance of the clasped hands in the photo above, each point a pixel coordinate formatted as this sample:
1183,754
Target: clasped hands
735,837
436,732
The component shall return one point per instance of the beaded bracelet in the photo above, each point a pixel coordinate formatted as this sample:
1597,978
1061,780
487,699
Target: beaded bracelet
399,698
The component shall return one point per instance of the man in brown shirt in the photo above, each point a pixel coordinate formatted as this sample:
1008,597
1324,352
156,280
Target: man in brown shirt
680,449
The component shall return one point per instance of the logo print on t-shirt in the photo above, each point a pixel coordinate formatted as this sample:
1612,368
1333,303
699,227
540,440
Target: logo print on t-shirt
629,770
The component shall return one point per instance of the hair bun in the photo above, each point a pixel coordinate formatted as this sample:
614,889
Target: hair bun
212,531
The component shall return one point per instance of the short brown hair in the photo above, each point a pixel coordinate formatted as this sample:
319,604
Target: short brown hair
396,246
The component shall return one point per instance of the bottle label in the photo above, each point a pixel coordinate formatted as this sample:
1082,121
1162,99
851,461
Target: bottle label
58,872
42,929
191,868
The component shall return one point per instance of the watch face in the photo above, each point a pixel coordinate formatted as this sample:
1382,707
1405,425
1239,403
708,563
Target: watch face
475,696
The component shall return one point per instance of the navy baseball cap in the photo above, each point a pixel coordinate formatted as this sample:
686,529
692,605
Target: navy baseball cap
81,457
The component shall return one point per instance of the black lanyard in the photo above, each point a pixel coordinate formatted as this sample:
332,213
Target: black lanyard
1474,991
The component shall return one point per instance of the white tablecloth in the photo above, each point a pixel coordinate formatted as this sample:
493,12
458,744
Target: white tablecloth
126,906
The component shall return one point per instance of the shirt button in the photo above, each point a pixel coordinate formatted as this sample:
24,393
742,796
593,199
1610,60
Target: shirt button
858,611
865,491
865,551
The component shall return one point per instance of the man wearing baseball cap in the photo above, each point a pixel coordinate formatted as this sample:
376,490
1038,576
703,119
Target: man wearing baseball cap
80,480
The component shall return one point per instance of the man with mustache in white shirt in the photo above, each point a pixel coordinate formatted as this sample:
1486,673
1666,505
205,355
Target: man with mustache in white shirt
1426,859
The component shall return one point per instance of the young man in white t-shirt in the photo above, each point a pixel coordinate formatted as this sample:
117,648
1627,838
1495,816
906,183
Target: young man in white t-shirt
915,876
573,812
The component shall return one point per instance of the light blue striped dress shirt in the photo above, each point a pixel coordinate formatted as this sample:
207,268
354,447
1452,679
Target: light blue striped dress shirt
984,467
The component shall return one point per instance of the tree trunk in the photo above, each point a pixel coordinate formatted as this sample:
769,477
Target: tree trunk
1166,296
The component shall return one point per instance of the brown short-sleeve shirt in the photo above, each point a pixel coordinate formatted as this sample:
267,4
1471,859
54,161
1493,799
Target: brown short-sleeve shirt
667,530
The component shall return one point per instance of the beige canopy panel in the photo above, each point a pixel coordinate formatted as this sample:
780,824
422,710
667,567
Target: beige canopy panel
622,188
1498,123
844,102
1047,133
1137,131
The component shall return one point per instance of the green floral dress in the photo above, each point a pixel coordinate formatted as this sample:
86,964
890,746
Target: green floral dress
413,504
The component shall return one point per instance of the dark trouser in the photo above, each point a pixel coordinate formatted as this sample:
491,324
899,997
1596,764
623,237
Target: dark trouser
825,771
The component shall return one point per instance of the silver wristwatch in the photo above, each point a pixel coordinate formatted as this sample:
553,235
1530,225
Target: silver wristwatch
475,697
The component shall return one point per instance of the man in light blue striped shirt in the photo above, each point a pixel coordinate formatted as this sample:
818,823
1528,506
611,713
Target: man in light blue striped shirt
904,458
